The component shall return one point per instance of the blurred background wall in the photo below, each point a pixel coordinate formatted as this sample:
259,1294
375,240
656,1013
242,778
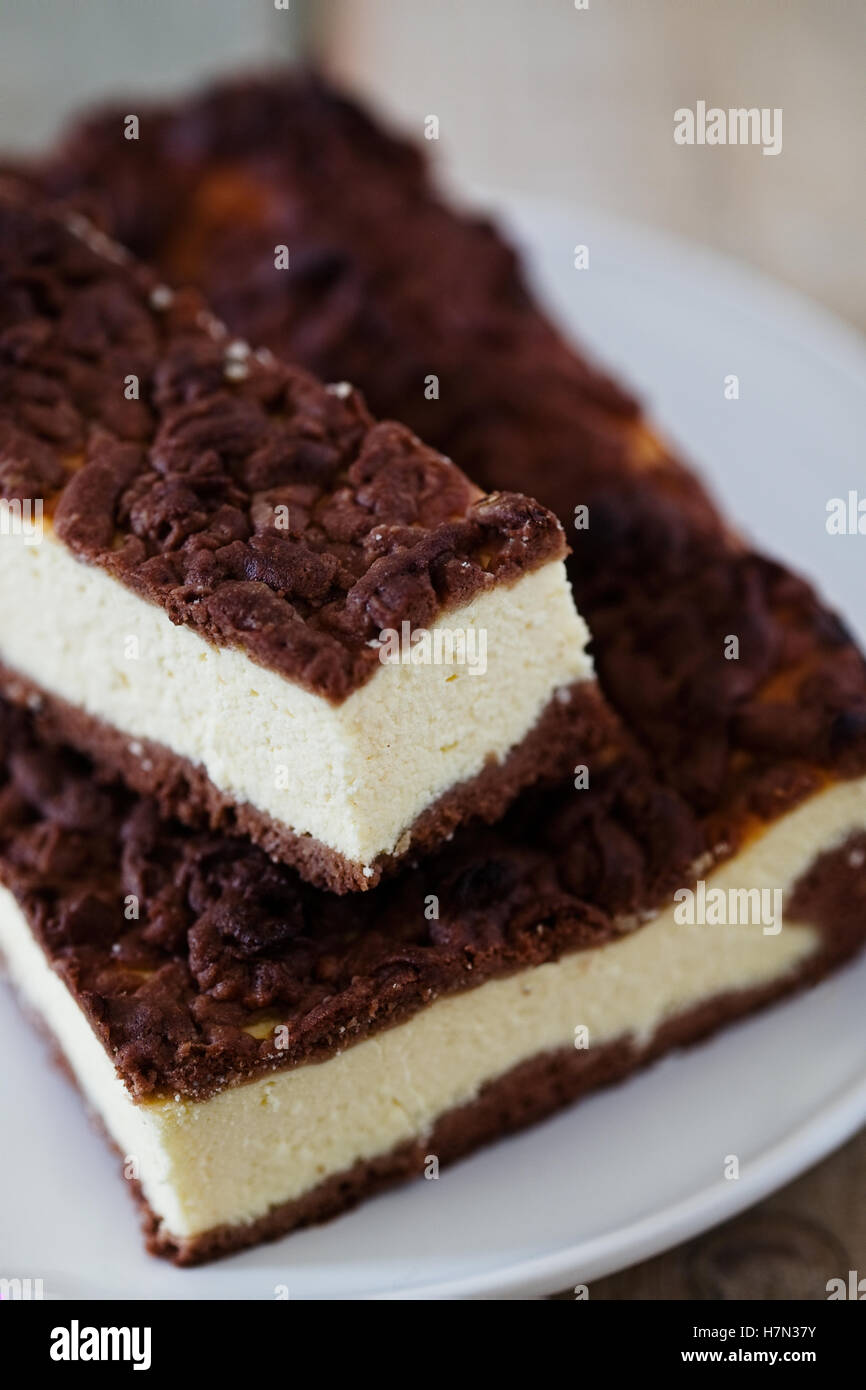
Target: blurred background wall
57,54
580,103
531,94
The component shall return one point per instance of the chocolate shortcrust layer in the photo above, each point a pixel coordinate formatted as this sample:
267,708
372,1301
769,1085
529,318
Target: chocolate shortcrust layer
576,725
386,300
211,551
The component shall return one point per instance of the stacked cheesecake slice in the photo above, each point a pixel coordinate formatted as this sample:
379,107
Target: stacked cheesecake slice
248,598
264,1054
227,544
219,550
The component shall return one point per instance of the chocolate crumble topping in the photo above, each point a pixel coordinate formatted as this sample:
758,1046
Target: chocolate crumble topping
254,504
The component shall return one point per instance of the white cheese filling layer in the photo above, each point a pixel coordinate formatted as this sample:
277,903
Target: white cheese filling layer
227,1160
355,776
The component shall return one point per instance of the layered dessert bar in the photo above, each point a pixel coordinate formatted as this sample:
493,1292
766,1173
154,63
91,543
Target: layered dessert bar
229,584
391,287
268,1053
264,1055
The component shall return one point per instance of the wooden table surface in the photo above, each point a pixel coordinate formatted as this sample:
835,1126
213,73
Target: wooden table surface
786,1247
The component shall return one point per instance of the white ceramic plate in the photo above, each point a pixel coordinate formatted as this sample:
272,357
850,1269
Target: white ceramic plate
639,1168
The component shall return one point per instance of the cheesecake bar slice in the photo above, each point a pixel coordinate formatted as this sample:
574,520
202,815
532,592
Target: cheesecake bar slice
230,585
658,573
264,1055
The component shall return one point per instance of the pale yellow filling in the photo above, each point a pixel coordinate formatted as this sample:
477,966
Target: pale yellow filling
231,1158
354,776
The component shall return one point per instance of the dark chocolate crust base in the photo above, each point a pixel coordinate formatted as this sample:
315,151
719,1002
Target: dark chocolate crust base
520,1098
574,725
